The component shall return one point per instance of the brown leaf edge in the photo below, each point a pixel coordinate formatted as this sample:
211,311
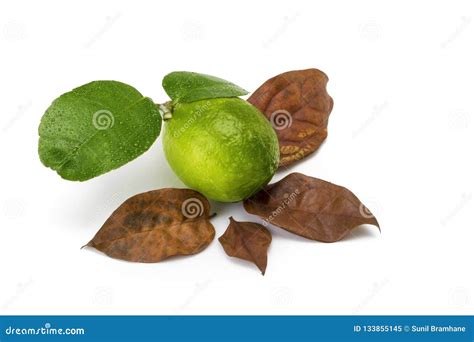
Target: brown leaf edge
297,105
155,225
310,207
248,241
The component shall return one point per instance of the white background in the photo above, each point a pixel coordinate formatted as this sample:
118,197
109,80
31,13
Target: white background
400,136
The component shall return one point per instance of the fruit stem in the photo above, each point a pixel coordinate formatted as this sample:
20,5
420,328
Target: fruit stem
166,110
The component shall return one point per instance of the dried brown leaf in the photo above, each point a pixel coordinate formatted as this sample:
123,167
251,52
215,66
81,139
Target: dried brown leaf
310,207
155,225
298,107
248,241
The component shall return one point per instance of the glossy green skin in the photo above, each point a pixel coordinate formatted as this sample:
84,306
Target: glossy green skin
224,148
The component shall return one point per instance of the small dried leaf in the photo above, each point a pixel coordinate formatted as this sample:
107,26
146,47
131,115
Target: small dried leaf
248,241
310,207
298,107
155,225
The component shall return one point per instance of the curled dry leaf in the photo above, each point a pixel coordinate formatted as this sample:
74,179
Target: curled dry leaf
298,107
155,225
248,241
310,207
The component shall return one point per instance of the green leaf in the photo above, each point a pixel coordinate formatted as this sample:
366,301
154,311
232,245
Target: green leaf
97,128
185,86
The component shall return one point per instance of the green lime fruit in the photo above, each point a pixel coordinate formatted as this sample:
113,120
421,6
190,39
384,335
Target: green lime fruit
222,147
